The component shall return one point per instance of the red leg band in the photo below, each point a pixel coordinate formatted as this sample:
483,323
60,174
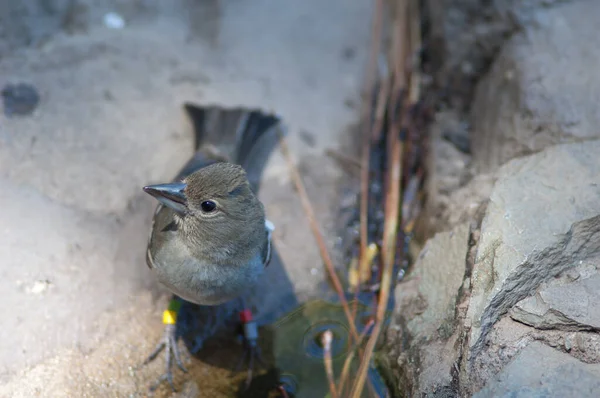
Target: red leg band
246,316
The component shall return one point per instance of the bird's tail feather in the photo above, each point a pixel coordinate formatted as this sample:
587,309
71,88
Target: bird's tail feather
238,135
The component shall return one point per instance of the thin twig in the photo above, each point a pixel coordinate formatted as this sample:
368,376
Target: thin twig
317,233
343,159
366,116
414,77
348,362
414,18
392,208
376,31
382,100
388,254
326,339
283,391
364,268
398,58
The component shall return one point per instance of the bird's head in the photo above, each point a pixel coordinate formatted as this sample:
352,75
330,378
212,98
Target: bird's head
214,199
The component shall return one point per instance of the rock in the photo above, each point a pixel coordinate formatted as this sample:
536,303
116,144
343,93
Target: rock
573,306
448,171
541,90
93,157
440,270
467,203
533,154
437,361
19,99
542,219
466,35
458,27
100,111
560,376
509,337
426,302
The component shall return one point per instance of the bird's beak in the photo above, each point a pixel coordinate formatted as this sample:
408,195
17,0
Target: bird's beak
170,195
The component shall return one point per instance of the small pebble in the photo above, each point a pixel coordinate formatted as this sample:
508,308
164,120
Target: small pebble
39,287
580,342
19,99
568,343
112,20
401,274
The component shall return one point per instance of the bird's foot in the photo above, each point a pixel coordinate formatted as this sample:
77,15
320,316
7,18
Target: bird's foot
169,343
251,348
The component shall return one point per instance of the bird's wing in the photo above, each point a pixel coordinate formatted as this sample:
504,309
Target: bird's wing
266,255
162,222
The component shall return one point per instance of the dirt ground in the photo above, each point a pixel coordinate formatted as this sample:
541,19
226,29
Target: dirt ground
80,308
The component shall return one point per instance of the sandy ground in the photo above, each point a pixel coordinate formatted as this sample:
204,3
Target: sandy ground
81,310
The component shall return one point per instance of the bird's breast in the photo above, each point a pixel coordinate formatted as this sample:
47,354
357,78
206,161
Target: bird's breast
204,283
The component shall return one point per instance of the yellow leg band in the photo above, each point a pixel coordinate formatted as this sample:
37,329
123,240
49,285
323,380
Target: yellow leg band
169,317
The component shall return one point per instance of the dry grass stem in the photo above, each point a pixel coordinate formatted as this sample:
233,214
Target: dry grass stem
310,214
397,93
344,160
382,101
326,339
414,18
348,362
364,269
392,199
366,117
388,254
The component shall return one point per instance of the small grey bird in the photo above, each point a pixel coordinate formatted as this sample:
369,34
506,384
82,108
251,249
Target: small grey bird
210,240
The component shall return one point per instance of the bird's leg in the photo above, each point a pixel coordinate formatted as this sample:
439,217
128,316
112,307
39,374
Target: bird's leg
169,343
251,347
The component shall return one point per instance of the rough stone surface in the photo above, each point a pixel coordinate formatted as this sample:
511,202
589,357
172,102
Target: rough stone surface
508,337
467,202
560,376
455,192
465,38
108,71
574,306
440,270
81,309
448,170
535,228
426,310
456,27
517,78
540,90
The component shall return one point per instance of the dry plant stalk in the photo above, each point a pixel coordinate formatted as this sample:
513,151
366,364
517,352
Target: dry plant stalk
348,362
364,270
326,339
317,233
407,41
405,15
367,111
415,47
376,31
388,255
366,254
283,392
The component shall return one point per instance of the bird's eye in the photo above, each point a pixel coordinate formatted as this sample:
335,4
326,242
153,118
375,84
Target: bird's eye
207,206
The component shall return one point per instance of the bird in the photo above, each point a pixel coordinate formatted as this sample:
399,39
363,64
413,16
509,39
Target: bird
210,240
